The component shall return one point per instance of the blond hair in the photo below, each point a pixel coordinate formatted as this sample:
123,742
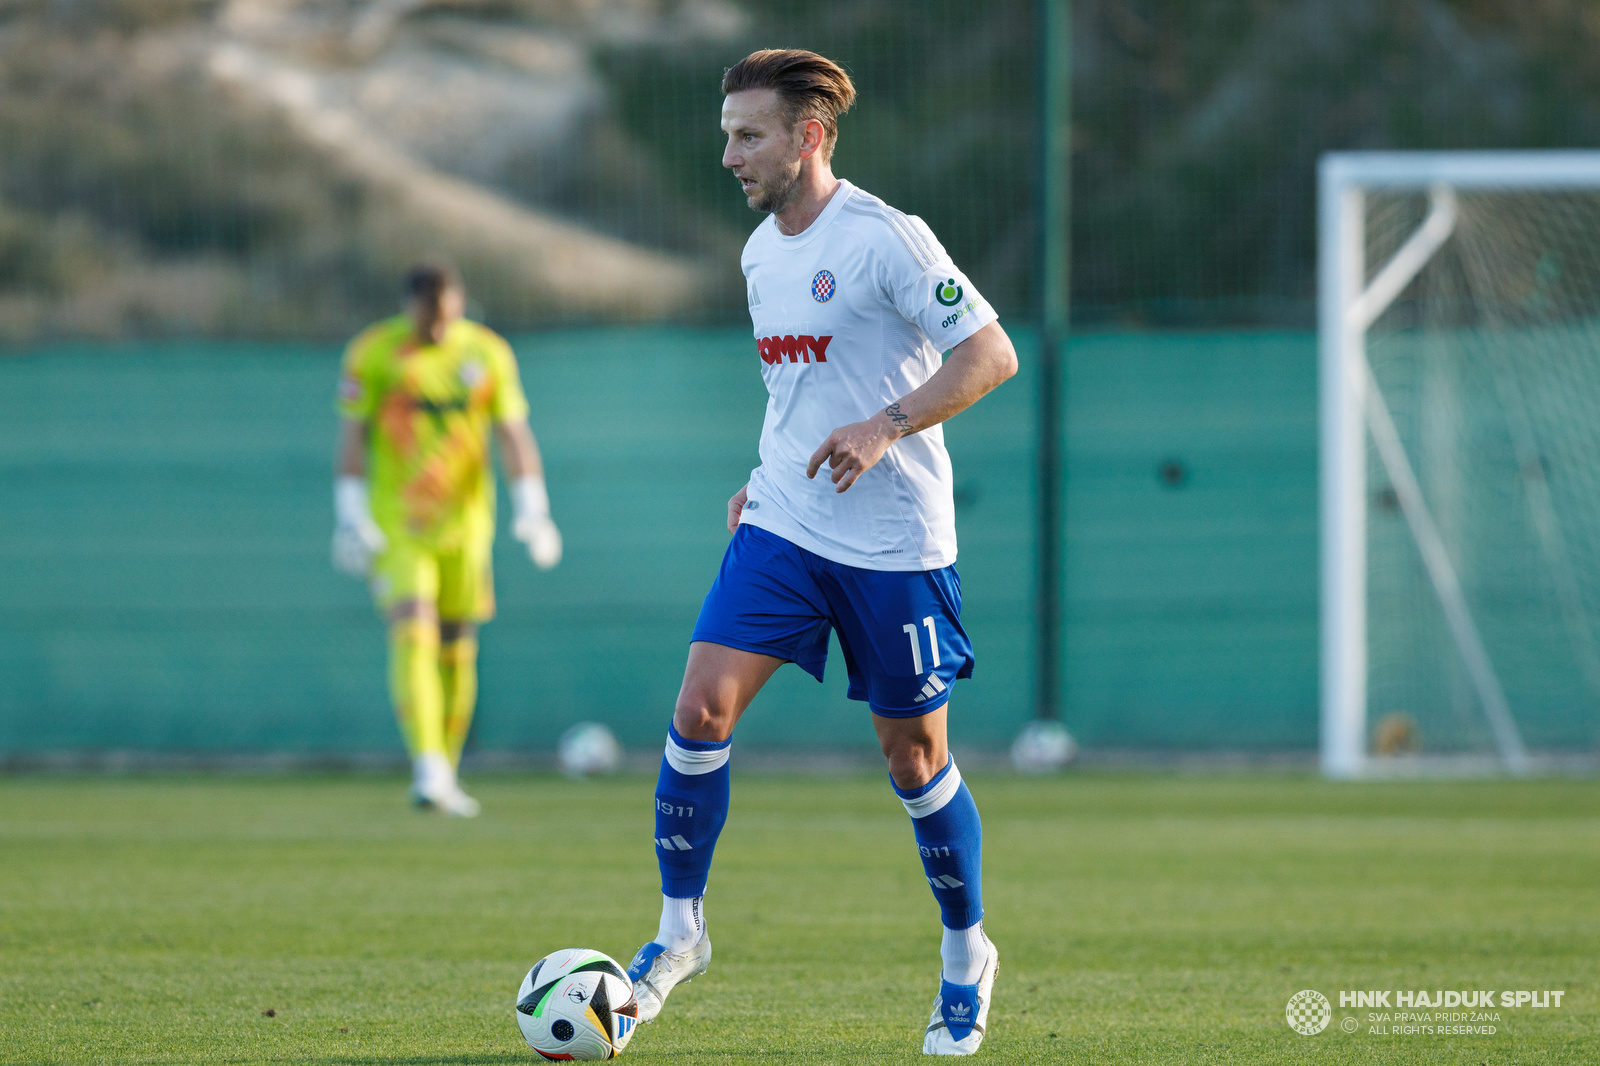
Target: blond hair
809,86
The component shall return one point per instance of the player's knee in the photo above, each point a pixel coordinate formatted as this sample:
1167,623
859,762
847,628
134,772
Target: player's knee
450,632
413,610
911,760
700,716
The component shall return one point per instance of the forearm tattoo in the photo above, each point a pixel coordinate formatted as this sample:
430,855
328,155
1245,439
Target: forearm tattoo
901,420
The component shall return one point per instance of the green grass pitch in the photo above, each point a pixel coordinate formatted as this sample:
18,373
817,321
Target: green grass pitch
1141,919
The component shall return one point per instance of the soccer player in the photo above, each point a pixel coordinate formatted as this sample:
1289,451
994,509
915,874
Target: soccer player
847,525
414,503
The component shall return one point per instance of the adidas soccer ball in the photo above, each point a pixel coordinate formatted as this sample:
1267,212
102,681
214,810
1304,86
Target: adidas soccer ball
589,748
577,1004
1043,747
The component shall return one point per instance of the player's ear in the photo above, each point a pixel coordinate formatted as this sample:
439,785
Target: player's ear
810,138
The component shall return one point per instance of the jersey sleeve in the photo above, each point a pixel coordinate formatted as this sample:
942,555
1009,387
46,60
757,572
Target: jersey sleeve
510,404
928,289
358,385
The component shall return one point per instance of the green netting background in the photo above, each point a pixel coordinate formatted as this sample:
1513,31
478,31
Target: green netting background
1488,366
167,516
201,199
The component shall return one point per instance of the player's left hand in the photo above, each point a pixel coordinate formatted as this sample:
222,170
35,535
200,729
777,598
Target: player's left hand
852,450
542,538
531,522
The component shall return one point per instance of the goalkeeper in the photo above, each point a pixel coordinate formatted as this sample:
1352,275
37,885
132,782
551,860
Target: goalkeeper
414,500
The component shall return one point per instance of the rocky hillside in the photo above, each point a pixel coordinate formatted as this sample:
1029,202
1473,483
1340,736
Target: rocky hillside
269,166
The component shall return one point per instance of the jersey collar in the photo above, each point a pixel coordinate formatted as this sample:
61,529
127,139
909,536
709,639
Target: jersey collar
822,221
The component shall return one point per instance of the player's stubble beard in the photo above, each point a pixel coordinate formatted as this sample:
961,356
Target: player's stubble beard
778,193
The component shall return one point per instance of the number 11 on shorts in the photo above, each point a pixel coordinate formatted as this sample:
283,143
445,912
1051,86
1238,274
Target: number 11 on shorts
910,629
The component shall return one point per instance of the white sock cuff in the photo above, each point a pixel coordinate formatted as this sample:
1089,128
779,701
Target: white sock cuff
964,953
691,762
682,922
431,769
940,792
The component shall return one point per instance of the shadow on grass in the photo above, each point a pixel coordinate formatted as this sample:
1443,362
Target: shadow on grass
827,1053
371,1060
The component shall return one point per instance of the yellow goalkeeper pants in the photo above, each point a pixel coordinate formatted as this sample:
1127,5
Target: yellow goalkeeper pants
434,686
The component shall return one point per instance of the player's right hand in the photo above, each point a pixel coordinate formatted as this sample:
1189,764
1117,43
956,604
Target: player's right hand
357,540
736,508
356,546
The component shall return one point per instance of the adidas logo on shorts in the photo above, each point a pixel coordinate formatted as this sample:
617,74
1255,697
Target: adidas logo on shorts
933,687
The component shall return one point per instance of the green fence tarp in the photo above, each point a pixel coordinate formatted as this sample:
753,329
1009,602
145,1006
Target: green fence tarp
165,514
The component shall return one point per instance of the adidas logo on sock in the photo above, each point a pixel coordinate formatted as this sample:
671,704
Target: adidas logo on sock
931,689
960,1010
945,881
677,843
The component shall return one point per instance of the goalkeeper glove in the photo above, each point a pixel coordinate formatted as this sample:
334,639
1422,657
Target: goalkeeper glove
531,524
357,540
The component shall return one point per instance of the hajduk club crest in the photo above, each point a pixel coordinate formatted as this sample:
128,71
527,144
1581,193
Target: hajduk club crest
822,286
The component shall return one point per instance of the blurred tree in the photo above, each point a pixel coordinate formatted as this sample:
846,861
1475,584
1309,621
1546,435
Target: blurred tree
1197,126
1199,122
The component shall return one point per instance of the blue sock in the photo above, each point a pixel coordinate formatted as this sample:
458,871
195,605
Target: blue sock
691,806
950,839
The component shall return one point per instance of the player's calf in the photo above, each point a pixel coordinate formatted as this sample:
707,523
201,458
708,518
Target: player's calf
949,837
691,806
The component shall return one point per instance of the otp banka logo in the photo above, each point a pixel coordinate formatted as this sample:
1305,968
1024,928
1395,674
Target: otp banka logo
802,349
948,292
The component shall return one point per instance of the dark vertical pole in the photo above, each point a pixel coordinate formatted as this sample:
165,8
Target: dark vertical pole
1055,203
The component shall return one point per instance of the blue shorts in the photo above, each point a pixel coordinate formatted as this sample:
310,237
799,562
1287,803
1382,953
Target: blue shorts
900,630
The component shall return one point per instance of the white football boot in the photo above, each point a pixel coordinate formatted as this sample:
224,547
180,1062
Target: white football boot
960,1012
434,784
655,972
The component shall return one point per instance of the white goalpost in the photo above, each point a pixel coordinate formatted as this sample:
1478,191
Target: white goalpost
1459,383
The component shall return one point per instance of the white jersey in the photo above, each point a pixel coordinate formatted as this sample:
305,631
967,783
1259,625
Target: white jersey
849,316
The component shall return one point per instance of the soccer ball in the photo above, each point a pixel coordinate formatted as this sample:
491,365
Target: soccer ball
577,1004
589,748
1042,747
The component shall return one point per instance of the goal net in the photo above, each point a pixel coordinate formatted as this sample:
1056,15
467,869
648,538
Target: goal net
1461,461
